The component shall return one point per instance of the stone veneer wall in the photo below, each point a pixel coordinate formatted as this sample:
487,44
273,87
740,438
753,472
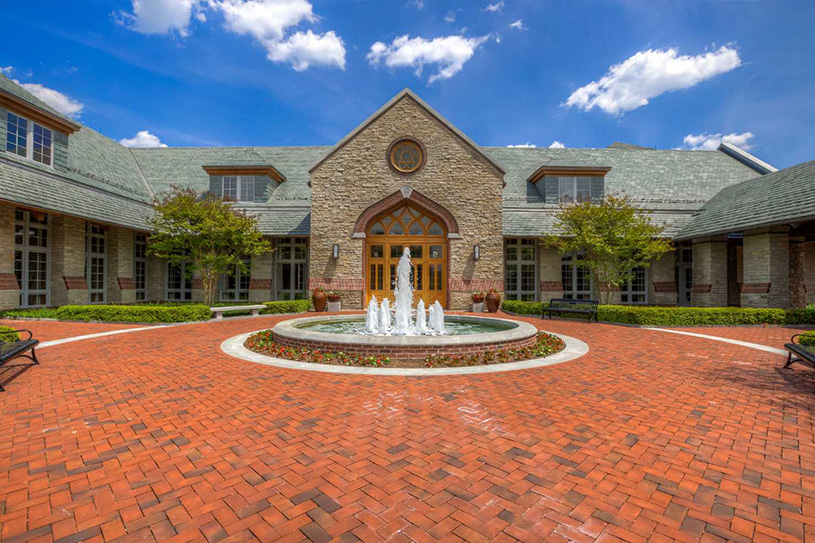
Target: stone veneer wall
261,282
709,272
662,288
68,284
119,278
549,274
454,175
9,288
809,271
797,277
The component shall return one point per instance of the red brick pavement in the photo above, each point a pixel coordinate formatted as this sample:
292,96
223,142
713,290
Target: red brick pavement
158,436
772,336
50,330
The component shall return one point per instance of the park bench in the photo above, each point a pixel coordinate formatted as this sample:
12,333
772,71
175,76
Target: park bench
9,350
255,309
803,354
560,306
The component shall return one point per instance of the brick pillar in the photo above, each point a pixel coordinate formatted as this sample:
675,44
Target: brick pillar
120,283
260,282
549,273
68,283
809,271
766,269
156,279
709,272
9,288
798,294
662,287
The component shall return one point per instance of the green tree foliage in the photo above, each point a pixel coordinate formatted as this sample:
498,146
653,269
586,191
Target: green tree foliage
207,232
613,238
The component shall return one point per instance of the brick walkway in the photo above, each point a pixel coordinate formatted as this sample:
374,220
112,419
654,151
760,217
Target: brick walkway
158,436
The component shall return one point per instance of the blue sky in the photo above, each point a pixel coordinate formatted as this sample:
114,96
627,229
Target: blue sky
305,72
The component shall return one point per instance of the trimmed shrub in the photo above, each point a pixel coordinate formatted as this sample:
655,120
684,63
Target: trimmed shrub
523,308
288,306
681,316
808,340
8,334
147,313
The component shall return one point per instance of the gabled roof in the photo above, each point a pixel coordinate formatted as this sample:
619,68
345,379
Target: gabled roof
406,93
781,197
13,92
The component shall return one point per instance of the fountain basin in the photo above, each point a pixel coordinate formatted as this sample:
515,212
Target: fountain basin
310,333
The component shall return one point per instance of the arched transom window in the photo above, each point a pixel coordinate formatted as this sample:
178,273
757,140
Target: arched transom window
405,221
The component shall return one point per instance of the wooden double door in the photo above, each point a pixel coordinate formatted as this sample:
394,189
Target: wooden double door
386,240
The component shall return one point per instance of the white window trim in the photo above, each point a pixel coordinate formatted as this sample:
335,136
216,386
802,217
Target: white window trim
518,263
26,249
239,179
279,268
626,289
29,142
89,269
183,289
573,180
236,291
574,267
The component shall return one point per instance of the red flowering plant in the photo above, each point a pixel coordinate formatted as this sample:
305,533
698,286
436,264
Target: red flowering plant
545,345
264,343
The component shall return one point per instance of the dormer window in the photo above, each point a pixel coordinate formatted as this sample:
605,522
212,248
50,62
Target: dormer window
574,189
29,140
239,188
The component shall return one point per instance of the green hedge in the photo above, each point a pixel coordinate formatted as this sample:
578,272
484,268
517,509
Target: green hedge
291,306
8,334
681,316
119,313
807,339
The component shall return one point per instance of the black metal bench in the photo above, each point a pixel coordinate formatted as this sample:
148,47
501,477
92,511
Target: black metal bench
803,355
9,350
572,307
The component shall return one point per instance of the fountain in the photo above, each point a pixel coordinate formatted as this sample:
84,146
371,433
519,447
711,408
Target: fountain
378,317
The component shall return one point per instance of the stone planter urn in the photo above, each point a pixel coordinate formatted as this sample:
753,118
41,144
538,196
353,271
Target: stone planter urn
493,300
319,299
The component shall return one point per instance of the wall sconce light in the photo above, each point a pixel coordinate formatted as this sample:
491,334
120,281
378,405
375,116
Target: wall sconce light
476,252
335,251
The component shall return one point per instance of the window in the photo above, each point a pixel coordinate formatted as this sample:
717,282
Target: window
684,272
235,286
95,262
28,139
292,268
406,156
574,189
31,257
239,188
140,266
576,279
520,269
179,282
635,291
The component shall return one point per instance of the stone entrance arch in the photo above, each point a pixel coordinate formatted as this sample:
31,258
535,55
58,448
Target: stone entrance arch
404,196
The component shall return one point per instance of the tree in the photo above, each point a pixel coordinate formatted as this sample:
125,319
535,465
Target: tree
206,232
612,237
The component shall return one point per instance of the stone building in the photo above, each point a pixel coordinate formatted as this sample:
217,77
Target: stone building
74,207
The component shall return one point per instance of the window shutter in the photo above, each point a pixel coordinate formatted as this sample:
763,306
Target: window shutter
597,188
550,189
216,185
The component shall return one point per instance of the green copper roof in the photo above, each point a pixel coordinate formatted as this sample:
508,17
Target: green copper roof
10,87
782,197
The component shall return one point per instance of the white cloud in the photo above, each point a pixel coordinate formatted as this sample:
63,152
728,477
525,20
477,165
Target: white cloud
711,142
557,145
264,19
57,100
493,8
6,70
304,49
648,74
450,17
448,53
160,16
526,145
518,25
143,138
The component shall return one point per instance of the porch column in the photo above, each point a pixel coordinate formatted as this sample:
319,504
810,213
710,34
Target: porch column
68,282
798,293
662,290
9,288
809,271
121,285
709,272
549,273
260,281
766,268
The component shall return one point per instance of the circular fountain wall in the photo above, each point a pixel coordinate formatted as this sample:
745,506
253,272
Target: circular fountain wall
463,336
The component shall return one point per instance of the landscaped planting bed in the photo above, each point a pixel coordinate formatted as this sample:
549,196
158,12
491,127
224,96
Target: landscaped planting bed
8,334
681,316
544,345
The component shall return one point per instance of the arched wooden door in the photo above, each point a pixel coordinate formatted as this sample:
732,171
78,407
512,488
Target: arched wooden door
386,239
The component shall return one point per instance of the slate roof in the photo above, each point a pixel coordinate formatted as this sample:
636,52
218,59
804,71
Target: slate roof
781,197
24,185
14,89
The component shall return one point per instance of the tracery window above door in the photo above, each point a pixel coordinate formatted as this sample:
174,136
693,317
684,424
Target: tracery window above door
406,221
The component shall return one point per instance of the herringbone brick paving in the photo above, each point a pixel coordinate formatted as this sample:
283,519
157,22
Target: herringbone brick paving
158,436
